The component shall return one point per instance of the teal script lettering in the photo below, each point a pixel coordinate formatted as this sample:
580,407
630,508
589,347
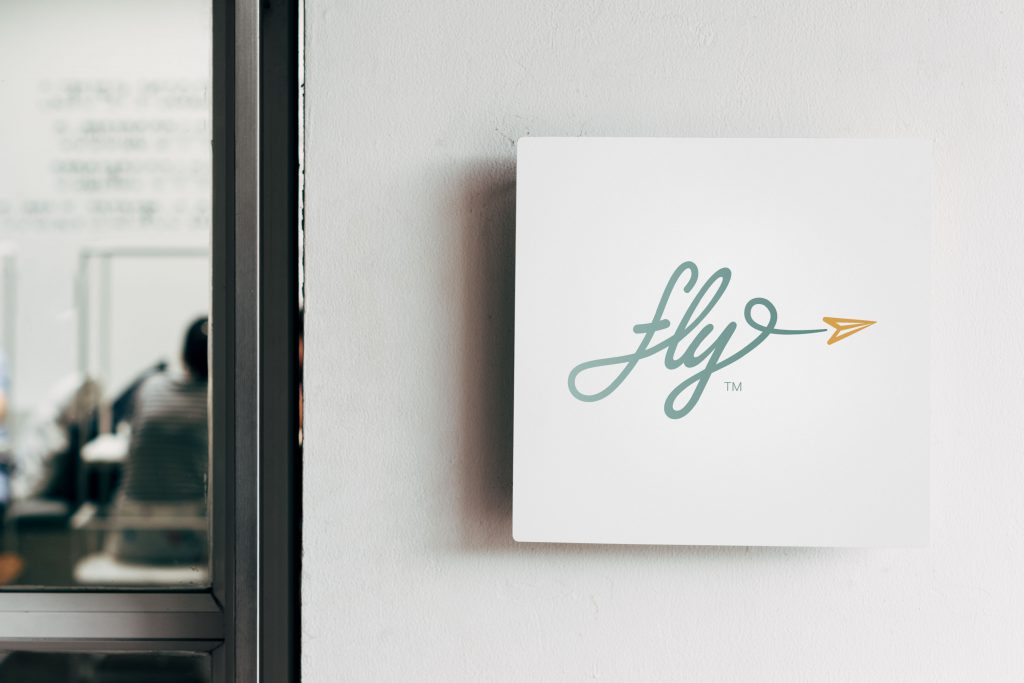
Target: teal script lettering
692,345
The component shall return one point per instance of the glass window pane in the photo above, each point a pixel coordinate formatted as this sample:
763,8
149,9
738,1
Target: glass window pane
57,667
105,219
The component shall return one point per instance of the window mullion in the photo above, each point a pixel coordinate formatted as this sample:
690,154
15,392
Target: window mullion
147,621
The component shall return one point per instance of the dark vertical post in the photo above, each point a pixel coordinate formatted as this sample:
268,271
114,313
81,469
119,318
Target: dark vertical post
280,474
222,326
234,320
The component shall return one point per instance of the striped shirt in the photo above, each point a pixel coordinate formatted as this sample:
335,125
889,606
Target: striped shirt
168,454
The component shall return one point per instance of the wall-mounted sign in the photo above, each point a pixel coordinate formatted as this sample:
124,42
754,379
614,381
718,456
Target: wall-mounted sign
722,342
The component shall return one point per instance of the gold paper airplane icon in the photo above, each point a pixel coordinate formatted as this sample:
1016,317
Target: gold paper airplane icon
844,327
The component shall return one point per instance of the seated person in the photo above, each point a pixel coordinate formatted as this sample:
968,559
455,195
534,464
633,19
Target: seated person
165,473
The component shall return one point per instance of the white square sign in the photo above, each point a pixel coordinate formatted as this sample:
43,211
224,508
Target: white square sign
722,342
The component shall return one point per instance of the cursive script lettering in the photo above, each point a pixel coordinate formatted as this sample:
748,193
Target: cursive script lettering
692,345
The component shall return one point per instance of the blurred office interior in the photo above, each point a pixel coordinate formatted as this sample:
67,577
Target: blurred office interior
105,204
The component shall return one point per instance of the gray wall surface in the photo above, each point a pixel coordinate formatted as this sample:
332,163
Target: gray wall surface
413,109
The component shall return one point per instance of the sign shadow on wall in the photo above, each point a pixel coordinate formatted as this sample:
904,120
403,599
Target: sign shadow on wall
487,225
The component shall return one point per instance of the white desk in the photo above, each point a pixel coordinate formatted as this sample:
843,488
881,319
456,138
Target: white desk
106,449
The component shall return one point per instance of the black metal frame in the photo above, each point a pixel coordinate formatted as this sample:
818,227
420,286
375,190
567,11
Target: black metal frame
258,67
280,464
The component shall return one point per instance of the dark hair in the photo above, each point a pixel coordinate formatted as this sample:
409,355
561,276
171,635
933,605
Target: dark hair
195,352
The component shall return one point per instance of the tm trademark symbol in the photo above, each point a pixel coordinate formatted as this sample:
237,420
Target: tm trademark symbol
734,386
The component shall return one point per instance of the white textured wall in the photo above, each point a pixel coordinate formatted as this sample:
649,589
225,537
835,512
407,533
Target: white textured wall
410,569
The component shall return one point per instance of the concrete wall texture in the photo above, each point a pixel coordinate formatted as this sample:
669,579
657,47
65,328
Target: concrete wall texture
413,109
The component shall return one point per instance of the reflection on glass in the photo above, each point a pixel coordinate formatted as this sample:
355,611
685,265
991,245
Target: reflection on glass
52,667
105,183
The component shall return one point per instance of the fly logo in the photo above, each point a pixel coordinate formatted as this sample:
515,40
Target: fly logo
693,345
